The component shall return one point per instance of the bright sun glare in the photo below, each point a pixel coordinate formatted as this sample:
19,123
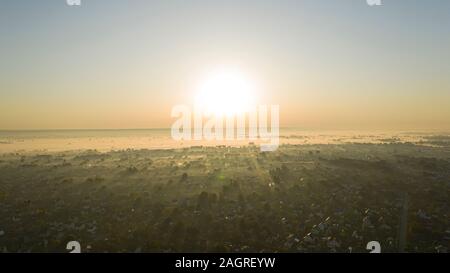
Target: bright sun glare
226,93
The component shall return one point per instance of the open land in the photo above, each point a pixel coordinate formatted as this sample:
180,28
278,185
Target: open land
305,197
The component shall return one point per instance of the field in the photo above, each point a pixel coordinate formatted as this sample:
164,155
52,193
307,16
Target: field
309,197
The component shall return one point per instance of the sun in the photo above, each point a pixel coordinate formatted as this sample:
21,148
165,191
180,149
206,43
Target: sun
226,92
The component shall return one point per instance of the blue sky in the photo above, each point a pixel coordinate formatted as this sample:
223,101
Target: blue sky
123,64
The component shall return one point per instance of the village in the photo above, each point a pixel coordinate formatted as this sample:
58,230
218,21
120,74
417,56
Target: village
301,198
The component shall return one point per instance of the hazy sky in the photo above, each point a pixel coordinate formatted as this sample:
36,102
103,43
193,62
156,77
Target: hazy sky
329,64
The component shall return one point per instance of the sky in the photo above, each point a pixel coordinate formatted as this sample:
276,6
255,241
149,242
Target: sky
328,64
